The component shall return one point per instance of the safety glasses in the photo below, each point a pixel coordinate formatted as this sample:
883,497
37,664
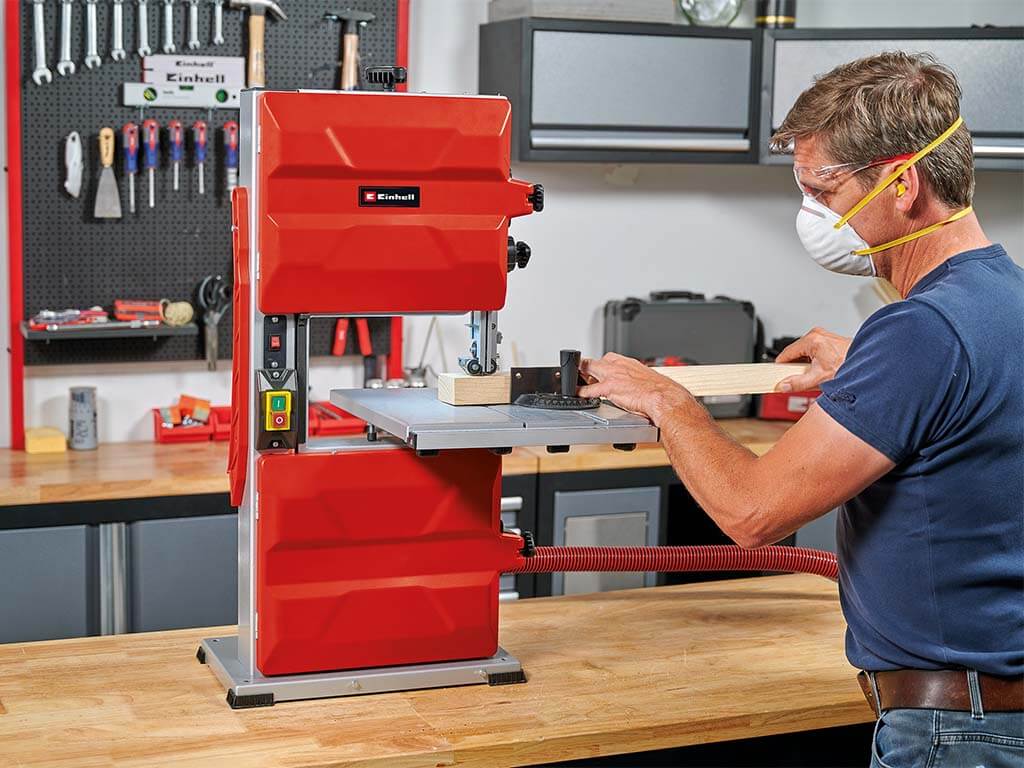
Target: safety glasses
815,182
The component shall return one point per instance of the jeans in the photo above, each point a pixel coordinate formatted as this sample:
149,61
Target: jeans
933,738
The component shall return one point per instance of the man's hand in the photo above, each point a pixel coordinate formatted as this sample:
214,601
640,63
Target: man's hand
825,351
633,386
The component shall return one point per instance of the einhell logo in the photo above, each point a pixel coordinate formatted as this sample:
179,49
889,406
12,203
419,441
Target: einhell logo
389,197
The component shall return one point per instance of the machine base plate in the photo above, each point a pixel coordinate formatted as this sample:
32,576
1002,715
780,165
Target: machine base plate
245,691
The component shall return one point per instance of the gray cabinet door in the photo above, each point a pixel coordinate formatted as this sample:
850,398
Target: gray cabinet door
820,533
183,573
594,90
47,583
621,517
990,71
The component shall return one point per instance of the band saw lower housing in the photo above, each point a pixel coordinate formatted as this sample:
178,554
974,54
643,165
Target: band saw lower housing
373,558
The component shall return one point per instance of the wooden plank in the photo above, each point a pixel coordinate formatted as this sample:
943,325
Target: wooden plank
730,660
701,380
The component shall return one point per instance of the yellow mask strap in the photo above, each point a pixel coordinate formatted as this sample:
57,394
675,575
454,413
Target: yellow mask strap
914,235
896,174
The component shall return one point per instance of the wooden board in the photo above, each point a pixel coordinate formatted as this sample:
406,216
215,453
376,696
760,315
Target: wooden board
700,380
609,673
758,436
138,470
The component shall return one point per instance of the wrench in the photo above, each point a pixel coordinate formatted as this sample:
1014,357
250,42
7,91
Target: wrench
117,50
169,46
218,22
142,22
193,24
92,58
65,66
42,73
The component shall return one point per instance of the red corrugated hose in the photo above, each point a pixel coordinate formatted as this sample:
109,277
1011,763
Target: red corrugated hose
674,559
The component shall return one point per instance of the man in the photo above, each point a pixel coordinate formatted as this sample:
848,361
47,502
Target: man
920,426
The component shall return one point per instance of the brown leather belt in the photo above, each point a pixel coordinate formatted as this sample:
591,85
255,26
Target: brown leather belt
940,689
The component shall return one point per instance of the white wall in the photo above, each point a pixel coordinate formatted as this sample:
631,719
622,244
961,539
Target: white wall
606,232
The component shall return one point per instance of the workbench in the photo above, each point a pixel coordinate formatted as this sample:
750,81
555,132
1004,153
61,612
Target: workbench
151,470
609,673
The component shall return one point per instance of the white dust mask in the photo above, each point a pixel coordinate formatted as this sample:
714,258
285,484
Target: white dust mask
834,249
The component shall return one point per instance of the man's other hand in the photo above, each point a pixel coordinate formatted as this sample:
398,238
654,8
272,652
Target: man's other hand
633,386
825,351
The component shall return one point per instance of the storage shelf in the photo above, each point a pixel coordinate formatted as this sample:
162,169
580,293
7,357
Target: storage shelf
191,329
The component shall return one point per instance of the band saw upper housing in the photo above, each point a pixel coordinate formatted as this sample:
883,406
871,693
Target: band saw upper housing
384,203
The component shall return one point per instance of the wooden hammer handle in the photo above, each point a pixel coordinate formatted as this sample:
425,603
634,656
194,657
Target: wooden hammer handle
350,62
257,68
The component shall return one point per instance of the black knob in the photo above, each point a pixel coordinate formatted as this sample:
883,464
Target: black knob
523,254
536,198
529,545
570,371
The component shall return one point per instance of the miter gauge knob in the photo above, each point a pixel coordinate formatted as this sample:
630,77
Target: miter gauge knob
536,198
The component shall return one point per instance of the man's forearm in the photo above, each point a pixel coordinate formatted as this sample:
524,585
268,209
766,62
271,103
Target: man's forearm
719,473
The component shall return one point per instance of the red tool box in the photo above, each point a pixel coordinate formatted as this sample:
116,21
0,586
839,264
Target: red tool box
786,406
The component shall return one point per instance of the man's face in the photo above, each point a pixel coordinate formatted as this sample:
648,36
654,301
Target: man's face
842,189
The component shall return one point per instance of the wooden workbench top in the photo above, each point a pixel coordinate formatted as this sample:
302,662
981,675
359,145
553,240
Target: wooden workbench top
146,470
756,435
608,673
138,470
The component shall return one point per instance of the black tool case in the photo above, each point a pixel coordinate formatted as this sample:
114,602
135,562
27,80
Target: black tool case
674,327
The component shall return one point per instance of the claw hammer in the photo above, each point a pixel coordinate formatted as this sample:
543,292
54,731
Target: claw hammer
257,75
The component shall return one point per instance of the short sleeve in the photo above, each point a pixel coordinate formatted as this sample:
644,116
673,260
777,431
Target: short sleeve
904,376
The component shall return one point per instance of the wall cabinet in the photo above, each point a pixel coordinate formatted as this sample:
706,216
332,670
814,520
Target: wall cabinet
988,62
624,92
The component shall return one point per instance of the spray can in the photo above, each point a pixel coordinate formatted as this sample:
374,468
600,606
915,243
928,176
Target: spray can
82,419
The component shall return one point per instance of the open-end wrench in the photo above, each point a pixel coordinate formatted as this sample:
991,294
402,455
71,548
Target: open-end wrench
117,49
65,66
41,74
169,46
218,22
142,24
92,55
193,24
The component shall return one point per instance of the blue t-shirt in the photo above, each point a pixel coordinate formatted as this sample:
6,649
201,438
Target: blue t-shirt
932,555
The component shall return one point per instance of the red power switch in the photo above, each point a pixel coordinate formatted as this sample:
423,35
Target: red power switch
275,342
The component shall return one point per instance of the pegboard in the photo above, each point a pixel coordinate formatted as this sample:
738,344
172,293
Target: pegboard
74,260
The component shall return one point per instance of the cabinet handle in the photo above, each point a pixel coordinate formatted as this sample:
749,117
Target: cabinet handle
113,579
511,503
640,143
998,150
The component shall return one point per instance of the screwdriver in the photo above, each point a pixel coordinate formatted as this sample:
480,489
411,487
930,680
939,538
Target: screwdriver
151,154
231,153
199,147
130,147
176,137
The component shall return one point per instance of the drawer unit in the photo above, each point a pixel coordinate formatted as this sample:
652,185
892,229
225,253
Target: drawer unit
624,517
624,92
989,63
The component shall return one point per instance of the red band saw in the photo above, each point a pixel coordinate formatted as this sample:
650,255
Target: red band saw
370,564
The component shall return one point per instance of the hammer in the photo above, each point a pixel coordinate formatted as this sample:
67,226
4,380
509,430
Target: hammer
352,23
257,22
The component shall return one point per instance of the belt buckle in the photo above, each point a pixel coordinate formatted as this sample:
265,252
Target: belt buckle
869,687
